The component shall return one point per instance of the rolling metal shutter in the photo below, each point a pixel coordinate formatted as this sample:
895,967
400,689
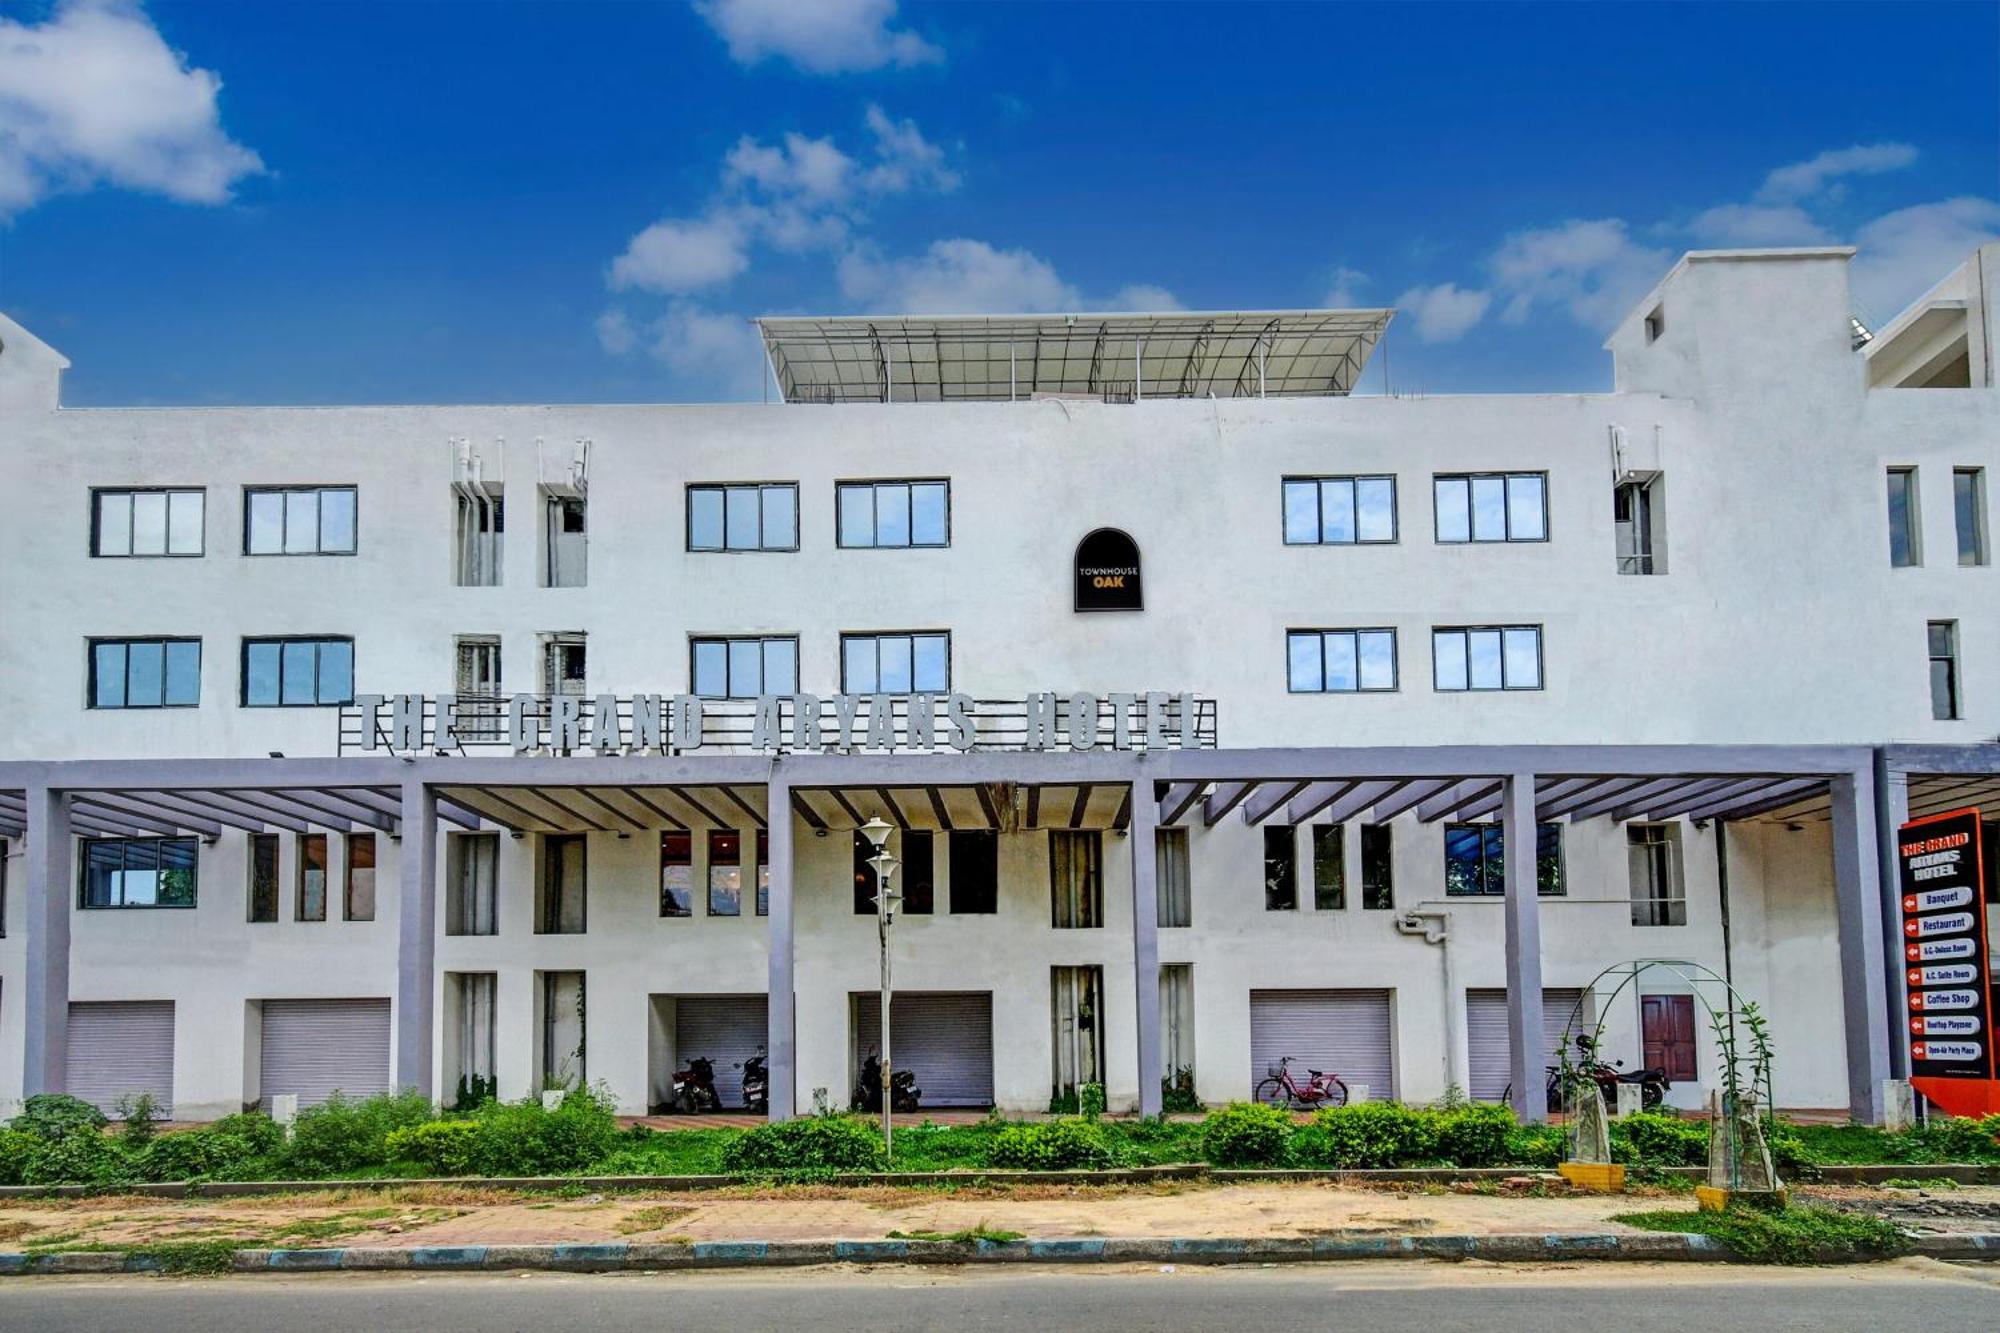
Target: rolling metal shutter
946,1040
728,1029
315,1048
121,1049
1345,1032
1487,1050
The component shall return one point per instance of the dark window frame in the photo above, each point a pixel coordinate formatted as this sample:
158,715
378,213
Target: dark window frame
1090,907
1954,682
1466,632
263,897
696,641
1354,636
319,642
716,835
959,848
317,490
1506,479
723,488
548,902
1491,867
1909,508
1283,858
669,909
95,523
1378,853
302,843
1354,480
873,485
92,644
84,861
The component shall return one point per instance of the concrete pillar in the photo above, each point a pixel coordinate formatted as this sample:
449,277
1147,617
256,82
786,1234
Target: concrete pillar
781,1041
416,946
1857,880
1892,810
1146,942
51,883
1524,951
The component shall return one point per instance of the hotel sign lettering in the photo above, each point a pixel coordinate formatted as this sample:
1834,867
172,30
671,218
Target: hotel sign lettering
773,723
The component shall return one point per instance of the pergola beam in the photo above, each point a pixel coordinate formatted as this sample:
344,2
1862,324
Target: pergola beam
1586,791
1447,803
209,828
1316,798
1226,797
1360,797
1668,805
1605,803
1267,800
1180,795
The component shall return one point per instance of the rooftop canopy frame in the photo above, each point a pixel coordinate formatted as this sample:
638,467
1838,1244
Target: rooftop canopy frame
1516,786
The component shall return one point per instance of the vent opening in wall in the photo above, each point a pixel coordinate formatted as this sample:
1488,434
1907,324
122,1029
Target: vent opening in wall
1656,323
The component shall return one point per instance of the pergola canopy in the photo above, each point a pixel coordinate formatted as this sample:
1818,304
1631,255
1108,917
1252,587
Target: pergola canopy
1004,358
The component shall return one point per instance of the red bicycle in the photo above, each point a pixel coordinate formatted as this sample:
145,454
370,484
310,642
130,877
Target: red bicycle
1282,1090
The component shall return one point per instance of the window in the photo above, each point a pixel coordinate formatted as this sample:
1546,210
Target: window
743,668
143,523
1634,517
919,872
895,663
1340,661
975,872
676,874
1487,657
263,877
482,703
311,902
1905,531
561,909
1653,854
359,900
1378,875
759,517
763,873
894,513
297,673
1076,879
1171,878
1656,323
725,872
1329,867
1492,507
565,662
472,864
482,531
298,520
1339,511
145,673
1475,864
1944,670
138,872
1968,502
564,550
1281,868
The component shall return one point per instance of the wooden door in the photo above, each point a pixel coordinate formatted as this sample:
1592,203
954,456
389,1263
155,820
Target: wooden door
1667,1025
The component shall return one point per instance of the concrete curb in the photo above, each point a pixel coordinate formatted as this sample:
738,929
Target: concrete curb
616,1257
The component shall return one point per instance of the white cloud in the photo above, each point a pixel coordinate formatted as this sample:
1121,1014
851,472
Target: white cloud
1801,180
1905,252
956,277
682,255
1590,268
94,95
615,332
1343,293
811,169
1758,225
1144,297
818,36
904,159
1445,312
717,354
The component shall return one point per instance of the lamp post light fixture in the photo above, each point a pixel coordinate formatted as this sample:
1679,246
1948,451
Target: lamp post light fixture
877,832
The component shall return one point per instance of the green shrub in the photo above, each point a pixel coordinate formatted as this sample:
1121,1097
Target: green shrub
523,1139
53,1115
1535,1145
1651,1139
259,1134
78,1159
1783,1236
829,1143
1053,1145
1245,1134
1475,1134
193,1154
16,1146
341,1135
474,1091
1177,1091
1367,1135
440,1147
141,1116
1952,1139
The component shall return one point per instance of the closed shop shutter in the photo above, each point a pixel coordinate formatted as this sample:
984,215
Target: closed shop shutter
727,1029
315,1048
1488,1052
121,1049
1344,1032
945,1039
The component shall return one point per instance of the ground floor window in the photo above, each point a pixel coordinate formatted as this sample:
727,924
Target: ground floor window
562,1029
138,872
1177,1036
472,997
1077,1032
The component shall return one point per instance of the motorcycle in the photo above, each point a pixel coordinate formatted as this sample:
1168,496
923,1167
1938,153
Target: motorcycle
756,1085
903,1090
1652,1083
694,1087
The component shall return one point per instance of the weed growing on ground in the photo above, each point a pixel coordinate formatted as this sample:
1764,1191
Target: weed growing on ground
1783,1236
967,1236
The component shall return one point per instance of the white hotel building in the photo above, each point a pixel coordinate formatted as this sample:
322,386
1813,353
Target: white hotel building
1675,655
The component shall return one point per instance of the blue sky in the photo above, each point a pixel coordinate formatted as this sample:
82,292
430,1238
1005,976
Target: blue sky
316,203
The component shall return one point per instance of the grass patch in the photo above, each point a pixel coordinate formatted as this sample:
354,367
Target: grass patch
967,1236
1919,1183
1787,1236
657,1218
190,1258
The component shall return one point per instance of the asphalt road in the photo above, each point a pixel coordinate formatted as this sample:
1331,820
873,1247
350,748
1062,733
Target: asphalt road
1431,1297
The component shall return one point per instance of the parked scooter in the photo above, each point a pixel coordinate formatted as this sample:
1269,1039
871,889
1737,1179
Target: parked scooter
1653,1083
694,1087
756,1085
903,1090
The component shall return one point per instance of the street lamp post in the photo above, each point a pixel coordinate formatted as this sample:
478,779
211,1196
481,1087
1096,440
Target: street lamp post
877,832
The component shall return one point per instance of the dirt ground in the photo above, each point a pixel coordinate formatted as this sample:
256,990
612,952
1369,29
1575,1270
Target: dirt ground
442,1215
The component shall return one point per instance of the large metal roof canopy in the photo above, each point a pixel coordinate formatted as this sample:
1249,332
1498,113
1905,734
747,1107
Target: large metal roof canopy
1117,357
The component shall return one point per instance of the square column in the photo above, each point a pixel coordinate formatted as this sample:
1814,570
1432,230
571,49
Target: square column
1528,1060
1146,942
1892,811
51,880
1857,883
780,1039
416,940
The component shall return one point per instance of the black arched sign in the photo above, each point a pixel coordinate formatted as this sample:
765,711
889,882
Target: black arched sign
1107,573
